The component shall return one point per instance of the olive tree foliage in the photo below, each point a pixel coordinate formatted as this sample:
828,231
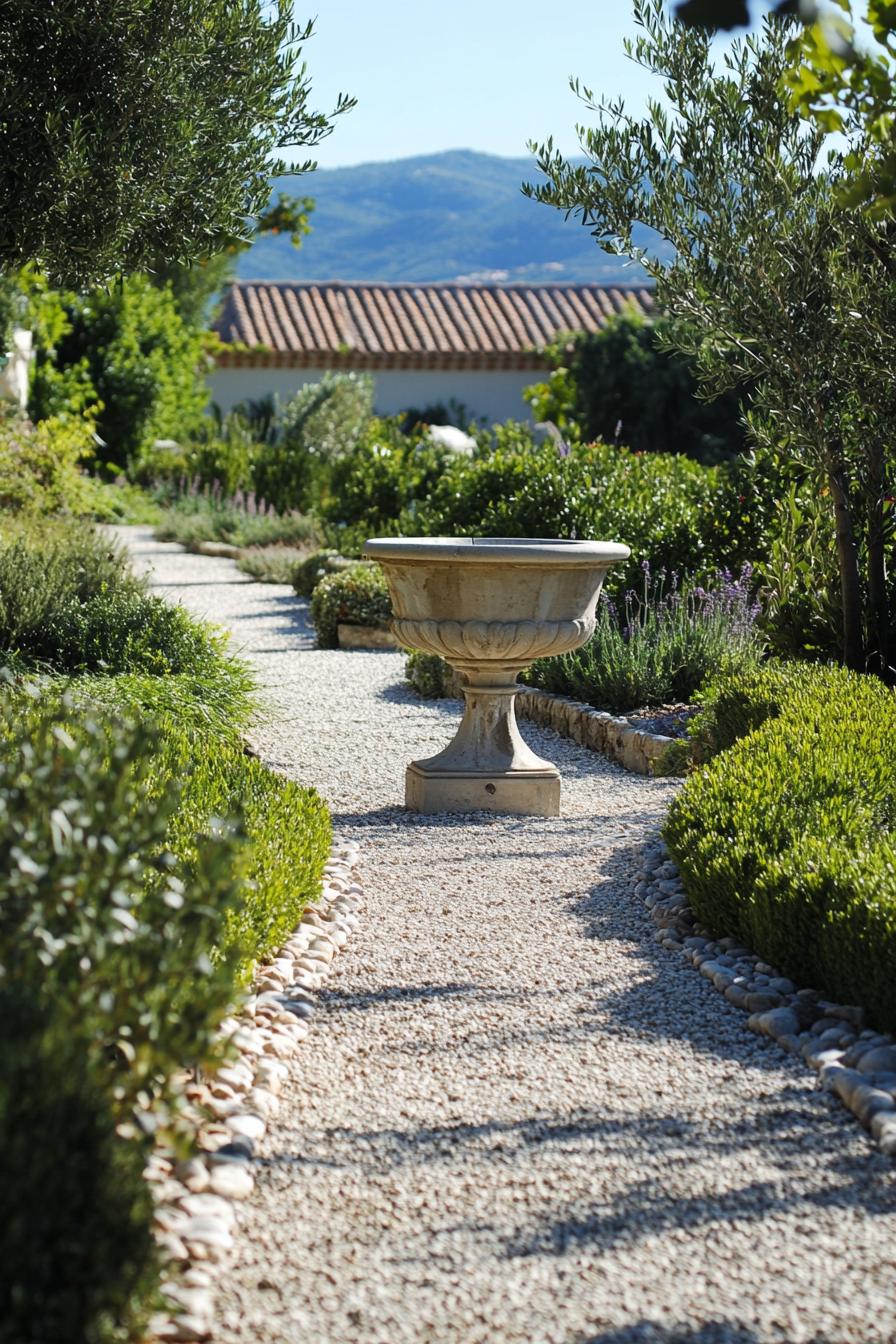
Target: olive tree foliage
141,131
842,70
774,281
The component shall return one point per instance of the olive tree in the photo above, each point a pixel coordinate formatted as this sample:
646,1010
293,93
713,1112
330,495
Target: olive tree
773,279
842,72
142,131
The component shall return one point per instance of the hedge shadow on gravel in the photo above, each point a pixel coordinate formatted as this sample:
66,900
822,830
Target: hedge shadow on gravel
703,1017
643,1208
651,1332
335,1000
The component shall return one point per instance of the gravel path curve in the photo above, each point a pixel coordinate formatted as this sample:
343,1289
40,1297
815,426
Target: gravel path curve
520,1120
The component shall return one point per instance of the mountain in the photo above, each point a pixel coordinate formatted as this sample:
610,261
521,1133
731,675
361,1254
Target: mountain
458,215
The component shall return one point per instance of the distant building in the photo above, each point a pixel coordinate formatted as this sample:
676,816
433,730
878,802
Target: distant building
476,344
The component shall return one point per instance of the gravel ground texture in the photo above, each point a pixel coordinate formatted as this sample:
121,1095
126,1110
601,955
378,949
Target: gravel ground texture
523,1121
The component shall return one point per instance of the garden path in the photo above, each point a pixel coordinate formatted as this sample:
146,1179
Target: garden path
519,1119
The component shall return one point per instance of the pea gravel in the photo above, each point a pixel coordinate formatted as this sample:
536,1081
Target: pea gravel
522,1119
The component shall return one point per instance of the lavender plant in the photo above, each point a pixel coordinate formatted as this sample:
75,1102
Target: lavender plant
206,512
659,645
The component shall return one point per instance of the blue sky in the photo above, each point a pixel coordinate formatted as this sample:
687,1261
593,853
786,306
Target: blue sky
465,74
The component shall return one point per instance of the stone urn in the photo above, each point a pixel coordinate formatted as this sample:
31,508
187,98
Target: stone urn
490,606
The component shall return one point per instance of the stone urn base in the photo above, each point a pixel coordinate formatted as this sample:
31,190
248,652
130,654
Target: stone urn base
487,767
528,793
490,606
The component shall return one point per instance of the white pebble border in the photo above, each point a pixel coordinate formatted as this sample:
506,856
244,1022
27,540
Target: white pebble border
852,1061
198,1199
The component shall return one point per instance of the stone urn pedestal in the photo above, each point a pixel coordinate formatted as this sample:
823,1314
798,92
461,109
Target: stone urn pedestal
489,607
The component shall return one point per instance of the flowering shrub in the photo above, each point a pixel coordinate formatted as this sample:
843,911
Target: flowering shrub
40,464
659,645
208,513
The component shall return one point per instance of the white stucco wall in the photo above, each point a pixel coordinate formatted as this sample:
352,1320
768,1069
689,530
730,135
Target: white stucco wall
494,395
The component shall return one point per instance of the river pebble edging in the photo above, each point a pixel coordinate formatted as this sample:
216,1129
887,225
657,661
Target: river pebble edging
853,1061
197,1200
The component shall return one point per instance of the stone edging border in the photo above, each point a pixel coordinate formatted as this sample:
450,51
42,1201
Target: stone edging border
219,550
641,752
855,1063
197,1199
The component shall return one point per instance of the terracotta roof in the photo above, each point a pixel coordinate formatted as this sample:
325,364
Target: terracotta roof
412,325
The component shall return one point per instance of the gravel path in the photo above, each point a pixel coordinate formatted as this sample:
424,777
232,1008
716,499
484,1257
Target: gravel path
520,1120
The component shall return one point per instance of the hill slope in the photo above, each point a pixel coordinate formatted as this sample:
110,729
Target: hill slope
449,216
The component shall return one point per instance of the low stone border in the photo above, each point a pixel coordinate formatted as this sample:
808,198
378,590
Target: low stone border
852,1061
365,637
198,1199
641,752
220,550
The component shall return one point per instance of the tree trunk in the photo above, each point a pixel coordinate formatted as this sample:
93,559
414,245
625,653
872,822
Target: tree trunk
848,563
880,636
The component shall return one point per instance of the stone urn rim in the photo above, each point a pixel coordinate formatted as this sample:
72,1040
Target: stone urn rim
553,551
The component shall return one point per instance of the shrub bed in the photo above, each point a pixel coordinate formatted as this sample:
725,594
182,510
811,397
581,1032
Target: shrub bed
785,839
428,674
357,596
669,509
317,566
146,864
68,602
659,646
271,564
237,522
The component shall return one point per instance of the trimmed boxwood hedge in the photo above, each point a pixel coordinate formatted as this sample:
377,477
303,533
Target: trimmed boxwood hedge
357,596
427,674
308,574
785,839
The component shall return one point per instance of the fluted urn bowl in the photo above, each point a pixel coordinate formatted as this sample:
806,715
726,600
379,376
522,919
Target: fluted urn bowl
489,606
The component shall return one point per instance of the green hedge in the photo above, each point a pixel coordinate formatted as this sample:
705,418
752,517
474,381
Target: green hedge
428,674
96,921
284,828
146,863
668,508
357,596
665,508
307,575
79,1259
785,839
69,602
739,700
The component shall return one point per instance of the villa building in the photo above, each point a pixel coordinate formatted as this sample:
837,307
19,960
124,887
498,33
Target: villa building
477,345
